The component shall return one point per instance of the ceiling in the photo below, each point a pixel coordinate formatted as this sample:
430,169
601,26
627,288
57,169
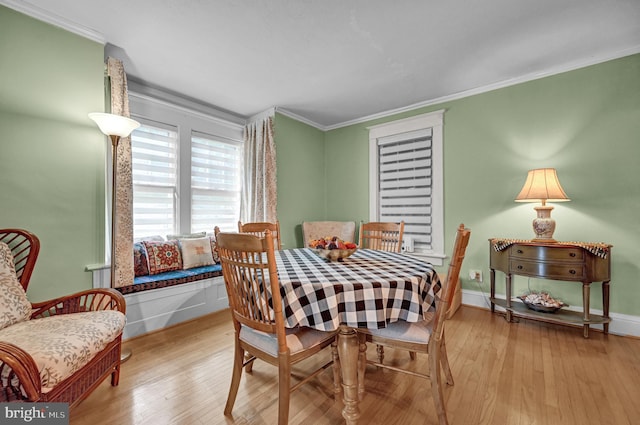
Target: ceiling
335,62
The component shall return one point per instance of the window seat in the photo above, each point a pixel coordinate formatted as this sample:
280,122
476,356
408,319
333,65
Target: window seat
171,278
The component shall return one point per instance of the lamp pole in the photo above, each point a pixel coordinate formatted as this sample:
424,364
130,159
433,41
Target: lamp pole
116,127
115,139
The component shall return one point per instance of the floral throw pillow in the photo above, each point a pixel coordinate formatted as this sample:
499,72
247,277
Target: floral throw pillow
196,252
214,250
140,261
163,256
14,305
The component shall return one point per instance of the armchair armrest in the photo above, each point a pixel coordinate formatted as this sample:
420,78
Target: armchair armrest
19,375
89,300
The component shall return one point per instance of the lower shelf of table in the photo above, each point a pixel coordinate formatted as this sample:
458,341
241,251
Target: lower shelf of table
562,316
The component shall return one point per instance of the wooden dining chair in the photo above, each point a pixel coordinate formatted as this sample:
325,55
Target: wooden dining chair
258,228
251,281
381,236
425,336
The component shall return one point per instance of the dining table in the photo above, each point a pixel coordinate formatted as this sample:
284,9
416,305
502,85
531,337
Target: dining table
368,289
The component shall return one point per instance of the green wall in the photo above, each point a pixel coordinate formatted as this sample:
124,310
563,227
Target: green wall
584,123
52,155
300,175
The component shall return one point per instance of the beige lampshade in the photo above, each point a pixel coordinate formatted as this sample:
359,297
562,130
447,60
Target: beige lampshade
542,185
114,125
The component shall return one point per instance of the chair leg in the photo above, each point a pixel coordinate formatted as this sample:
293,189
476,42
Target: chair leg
115,376
249,366
380,351
362,364
238,357
337,380
444,362
436,382
284,389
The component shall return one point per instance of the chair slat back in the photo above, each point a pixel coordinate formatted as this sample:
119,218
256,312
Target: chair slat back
258,229
381,236
449,286
248,264
25,247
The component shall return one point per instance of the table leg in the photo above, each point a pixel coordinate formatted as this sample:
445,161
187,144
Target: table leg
605,304
585,303
493,290
508,296
348,351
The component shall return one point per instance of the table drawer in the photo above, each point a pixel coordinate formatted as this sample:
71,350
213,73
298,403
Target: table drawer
547,253
546,270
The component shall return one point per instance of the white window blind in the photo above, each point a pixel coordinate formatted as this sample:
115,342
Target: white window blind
405,185
154,151
216,165
406,181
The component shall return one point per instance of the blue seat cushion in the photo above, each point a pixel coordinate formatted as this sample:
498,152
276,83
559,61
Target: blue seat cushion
171,278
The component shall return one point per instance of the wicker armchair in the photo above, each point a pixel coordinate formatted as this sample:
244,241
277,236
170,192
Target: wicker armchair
22,376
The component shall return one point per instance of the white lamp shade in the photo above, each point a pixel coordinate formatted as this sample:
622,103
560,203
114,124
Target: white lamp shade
114,125
542,185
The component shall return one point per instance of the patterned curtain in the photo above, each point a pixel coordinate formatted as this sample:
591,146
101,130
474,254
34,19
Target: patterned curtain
124,190
259,195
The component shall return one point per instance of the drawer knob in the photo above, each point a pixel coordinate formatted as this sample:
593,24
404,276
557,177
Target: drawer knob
519,251
572,254
572,271
520,267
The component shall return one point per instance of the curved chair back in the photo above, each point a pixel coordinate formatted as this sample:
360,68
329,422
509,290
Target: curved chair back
455,264
25,247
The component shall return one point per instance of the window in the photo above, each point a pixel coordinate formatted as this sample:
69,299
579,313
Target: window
154,167
406,181
186,167
215,182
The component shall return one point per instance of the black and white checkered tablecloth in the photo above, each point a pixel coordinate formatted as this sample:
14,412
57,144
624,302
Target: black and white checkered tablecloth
367,290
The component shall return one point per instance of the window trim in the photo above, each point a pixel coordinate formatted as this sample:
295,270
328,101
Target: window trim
431,120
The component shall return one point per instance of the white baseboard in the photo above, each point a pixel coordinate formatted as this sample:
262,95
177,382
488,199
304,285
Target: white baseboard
621,324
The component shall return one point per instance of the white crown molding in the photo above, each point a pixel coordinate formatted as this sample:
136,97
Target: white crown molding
53,19
59,21
262,115
502,84
300,118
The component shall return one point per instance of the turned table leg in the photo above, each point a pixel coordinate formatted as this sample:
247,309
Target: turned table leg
348,351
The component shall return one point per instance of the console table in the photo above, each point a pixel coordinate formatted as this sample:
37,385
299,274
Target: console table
563,261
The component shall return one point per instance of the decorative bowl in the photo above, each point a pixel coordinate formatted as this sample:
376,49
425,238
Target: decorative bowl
334,254
544,308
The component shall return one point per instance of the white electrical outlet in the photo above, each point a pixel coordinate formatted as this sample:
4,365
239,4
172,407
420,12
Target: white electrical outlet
475,275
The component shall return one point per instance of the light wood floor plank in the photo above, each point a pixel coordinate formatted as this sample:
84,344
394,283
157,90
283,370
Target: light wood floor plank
505,374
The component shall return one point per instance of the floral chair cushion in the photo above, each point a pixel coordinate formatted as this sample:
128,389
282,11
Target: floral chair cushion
62,344
14,305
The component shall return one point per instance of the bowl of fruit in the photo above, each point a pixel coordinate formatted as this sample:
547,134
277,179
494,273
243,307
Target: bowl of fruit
332,248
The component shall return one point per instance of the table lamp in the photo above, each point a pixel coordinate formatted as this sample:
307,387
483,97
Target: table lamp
542,185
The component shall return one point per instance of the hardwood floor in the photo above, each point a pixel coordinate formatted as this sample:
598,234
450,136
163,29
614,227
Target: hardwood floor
505,374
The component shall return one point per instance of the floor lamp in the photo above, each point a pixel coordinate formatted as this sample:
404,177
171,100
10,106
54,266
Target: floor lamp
116,127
